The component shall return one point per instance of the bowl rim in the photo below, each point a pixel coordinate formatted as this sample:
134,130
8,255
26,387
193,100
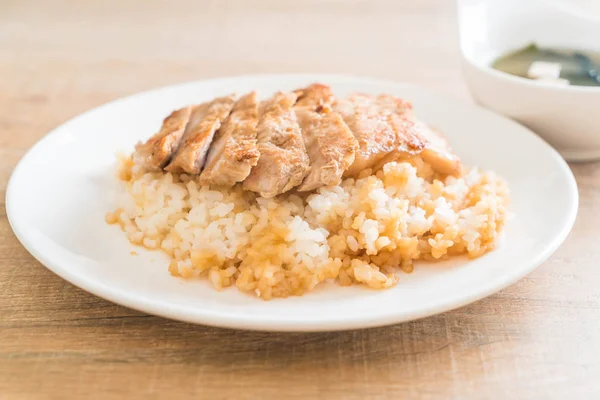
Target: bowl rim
577,13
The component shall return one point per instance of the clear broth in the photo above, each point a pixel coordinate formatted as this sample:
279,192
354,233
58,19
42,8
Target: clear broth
580,68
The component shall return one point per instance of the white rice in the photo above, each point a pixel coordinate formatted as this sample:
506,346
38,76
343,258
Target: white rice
362,231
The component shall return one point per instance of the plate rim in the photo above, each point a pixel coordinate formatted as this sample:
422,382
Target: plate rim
222,319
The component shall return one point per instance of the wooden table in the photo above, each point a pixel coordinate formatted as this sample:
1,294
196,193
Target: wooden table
538,339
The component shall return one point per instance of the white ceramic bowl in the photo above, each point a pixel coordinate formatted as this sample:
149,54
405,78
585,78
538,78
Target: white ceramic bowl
566,116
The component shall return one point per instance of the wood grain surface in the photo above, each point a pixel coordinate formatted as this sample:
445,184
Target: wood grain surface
539,339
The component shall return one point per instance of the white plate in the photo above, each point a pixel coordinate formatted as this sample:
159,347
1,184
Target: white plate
60,191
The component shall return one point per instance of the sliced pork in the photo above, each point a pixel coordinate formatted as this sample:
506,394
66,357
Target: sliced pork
304,140
156,152
205,120
234,151
283,162
330,144
437,151
382,132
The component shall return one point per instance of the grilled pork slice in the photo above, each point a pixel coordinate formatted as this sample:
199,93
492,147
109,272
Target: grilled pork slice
283,162
330,144
205,120
381,128
156,152
437,151
316,96
233,151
